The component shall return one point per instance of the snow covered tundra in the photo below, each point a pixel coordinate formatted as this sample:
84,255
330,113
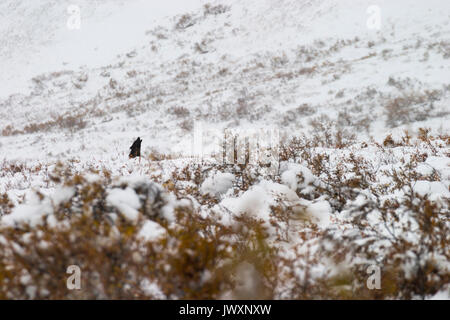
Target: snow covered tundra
293,149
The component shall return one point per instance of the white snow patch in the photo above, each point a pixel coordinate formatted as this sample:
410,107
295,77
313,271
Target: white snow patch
152,289
126,201
62,195
297,176
217,184
151,231
444,294
320,213
434,189
257,200
27,214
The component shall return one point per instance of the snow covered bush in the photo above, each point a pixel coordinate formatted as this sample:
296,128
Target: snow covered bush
185,21
130,238
207,230
5,204
217,184
209,9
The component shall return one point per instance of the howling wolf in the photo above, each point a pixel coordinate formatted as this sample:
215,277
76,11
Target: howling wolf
136,149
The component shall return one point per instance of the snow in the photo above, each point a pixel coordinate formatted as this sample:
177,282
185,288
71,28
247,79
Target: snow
297,176
151,231
442,295
240,39
31,215
43,42
440,164
248,283
62,195
257,201
217,184
126,201
435,189
320,213
34,211
250,72
152,289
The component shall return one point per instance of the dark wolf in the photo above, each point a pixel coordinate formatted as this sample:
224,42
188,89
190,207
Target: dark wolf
136,149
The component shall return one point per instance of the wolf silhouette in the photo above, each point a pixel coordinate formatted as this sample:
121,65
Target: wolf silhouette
135,149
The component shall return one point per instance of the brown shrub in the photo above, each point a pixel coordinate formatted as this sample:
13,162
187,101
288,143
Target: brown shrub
200,258
410,108
185,22
209,9
72,122
195,258
179,111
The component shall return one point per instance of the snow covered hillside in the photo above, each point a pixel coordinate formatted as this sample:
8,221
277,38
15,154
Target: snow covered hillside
37,37
358,91
257,63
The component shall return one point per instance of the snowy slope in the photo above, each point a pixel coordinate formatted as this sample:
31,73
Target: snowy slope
265,63
36,37
156,70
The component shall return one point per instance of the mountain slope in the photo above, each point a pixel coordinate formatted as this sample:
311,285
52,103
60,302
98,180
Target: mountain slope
36,37
251,63
295,66
362,158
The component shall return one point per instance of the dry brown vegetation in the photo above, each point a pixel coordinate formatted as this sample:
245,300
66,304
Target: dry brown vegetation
68,121
193,261
199,258
209,9
185,22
